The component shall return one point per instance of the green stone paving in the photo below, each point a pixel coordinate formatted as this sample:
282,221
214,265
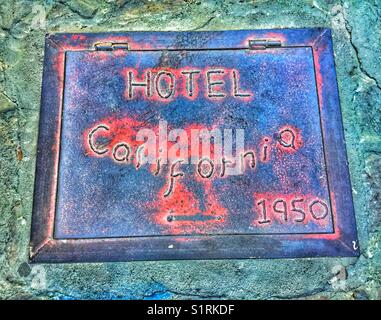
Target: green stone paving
356,32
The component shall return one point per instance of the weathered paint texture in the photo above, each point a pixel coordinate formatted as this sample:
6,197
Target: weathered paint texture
92,183
23,25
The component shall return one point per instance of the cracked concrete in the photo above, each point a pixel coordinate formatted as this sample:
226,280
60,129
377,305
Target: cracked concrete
355,27
359,59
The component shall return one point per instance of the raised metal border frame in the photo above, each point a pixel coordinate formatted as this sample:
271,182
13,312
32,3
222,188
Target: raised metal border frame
43,246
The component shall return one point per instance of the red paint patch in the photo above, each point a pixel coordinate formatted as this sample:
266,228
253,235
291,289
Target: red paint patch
289,139
78,37
181,212
125,130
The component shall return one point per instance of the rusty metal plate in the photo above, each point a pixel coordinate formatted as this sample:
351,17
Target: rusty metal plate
190,146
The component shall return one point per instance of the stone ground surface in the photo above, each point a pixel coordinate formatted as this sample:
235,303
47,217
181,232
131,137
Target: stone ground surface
356,27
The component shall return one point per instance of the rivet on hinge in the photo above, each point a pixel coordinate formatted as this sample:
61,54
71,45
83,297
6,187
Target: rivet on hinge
261,44
110,46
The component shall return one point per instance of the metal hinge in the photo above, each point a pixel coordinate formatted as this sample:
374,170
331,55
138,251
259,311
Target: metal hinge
110,46
261,44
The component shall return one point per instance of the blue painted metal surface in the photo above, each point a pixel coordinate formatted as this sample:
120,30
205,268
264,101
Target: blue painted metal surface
95,199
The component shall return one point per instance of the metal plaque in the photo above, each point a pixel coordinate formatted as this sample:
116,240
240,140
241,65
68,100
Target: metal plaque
191,145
